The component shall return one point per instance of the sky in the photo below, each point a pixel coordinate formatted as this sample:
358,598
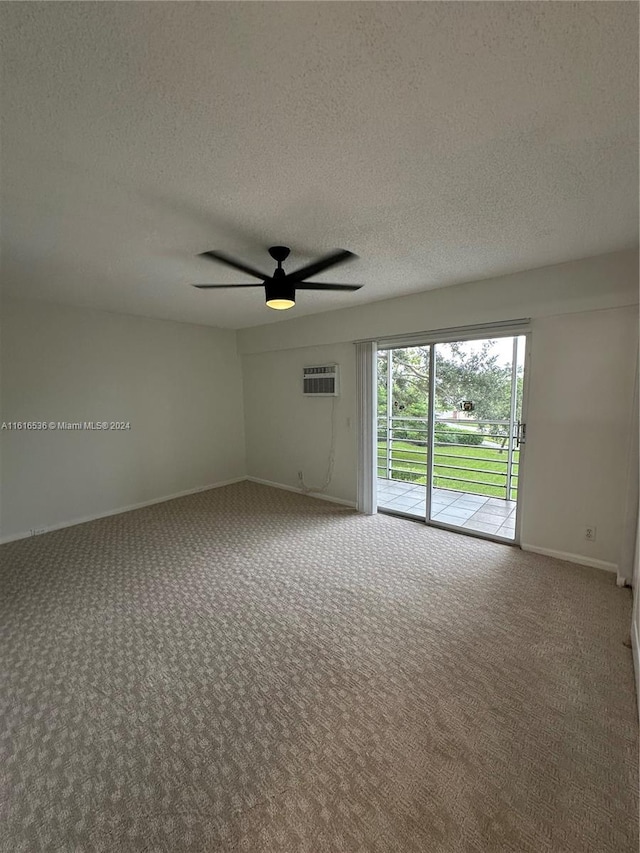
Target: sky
502,347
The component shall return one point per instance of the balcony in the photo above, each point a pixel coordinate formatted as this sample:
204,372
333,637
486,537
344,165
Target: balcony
475,472
462,509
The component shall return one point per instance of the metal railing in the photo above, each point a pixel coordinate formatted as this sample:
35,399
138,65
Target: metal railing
403,454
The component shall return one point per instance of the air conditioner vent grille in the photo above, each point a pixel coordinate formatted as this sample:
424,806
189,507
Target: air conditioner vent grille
321,381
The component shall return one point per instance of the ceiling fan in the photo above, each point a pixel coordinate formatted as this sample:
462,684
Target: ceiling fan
280,288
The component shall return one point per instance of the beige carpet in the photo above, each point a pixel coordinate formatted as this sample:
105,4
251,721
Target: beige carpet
250,670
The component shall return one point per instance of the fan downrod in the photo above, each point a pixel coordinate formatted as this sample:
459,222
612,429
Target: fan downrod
279,253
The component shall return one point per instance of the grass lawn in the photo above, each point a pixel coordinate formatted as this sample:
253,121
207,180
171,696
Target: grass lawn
488,464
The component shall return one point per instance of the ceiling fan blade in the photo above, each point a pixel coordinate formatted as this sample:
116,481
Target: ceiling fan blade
330,260
237,265
318,285
207,286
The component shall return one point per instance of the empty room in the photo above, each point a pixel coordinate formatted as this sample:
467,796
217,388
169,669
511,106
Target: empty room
319,427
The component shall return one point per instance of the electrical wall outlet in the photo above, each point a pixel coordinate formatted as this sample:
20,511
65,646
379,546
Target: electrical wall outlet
590,533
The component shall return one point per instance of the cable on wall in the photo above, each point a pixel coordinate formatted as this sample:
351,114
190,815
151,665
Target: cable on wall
332,453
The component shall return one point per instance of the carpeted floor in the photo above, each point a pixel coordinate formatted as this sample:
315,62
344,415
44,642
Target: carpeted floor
251,670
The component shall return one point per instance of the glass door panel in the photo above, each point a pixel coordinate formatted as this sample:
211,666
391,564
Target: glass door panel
477,402
403,429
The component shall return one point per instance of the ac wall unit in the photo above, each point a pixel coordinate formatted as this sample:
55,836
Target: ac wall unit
321,381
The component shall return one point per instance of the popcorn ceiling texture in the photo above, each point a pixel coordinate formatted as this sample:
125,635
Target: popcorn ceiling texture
442,142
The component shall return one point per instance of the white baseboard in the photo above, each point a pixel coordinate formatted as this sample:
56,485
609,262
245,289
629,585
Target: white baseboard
121,509
572,558
298,491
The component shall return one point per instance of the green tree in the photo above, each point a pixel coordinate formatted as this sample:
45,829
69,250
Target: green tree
461,374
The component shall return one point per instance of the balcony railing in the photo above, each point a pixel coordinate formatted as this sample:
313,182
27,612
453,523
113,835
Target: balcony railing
474,456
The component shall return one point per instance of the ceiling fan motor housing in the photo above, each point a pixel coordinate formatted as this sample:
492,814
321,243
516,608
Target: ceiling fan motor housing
279,253
278,289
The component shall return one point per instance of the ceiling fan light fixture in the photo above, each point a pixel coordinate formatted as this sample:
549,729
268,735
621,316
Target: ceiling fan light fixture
279,294
280,304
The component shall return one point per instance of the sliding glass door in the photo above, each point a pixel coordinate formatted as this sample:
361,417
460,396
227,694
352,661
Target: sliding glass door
403,429
450,433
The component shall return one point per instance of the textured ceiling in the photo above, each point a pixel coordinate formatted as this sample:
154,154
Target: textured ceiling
441,142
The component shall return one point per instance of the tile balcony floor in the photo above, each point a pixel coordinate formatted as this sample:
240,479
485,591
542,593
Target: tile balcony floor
471,512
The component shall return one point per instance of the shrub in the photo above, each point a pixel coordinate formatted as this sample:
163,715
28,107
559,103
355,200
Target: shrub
408,476
447,434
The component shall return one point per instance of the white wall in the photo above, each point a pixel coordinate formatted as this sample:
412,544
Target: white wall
632,502
582,375
584,344
287,432
179,385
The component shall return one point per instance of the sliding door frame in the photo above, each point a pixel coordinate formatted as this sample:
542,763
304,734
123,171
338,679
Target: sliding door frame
515,329
431,436
523,445
367,425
